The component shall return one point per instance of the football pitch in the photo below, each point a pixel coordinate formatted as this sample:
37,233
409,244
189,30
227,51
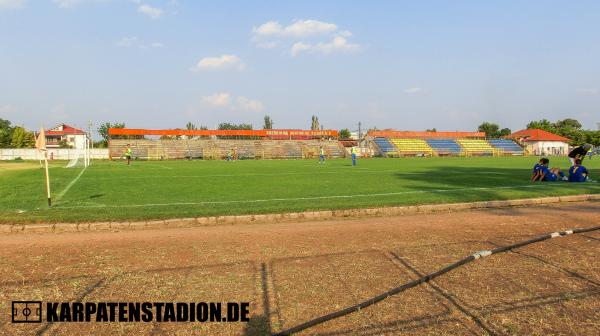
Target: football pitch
112,191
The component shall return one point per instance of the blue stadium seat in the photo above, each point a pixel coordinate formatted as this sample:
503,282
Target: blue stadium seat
385,145
444,146
507,146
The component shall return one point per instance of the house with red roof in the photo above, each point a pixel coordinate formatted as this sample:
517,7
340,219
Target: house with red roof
64,134
540,142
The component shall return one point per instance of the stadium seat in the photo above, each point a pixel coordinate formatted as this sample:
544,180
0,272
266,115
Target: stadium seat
218,149
412,146
385,147
444,146
476,147
507,146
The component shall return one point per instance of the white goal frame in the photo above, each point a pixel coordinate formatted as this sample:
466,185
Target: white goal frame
82,154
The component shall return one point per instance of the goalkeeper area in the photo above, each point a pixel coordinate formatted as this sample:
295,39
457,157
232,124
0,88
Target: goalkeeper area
113,191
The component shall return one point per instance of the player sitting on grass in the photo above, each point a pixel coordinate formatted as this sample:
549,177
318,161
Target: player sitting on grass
548,174
536,170
578,173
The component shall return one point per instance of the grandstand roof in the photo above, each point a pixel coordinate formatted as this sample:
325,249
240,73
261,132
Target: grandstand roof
537,135
64,129
409,134
257,133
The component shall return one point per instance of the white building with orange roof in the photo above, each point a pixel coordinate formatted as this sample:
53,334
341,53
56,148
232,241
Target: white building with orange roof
65,134
540,142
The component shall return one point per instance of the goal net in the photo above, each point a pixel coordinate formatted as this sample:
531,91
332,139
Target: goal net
81,157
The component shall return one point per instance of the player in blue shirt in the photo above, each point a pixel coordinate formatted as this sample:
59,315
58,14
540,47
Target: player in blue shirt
578,173
536,169
548,174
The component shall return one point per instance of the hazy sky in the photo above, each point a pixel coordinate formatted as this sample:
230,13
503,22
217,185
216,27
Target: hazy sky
408,65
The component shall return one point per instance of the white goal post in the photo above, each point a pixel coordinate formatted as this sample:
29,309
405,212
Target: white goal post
83,156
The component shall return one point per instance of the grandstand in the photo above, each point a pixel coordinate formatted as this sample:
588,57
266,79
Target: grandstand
410,146
476,146
217,144
421,143
403,143
444,146
298,144
507,146
148,149
385,146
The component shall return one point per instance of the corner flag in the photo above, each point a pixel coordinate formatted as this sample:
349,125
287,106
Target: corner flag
40,144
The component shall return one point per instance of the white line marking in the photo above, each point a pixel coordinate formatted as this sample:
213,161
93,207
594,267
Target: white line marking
304,198
62,193
161,166
266,174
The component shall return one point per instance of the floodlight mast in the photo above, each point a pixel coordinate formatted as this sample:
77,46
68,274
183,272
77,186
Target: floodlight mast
89,145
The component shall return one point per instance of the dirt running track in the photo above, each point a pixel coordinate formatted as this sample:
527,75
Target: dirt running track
292,272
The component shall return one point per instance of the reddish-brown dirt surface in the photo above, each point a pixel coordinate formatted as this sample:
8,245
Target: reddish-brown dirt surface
292,272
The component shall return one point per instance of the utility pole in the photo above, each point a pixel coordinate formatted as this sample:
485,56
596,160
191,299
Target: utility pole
360,136
90,134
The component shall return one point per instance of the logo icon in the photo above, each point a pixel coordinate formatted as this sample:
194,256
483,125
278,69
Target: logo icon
27,312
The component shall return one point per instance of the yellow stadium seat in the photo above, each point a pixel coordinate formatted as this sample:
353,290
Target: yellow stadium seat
412,146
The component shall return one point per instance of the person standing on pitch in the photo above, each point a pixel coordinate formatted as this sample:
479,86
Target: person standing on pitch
353,155
128,154
321,154
579,153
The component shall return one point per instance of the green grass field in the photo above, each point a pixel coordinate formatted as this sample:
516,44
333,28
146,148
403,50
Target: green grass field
168,189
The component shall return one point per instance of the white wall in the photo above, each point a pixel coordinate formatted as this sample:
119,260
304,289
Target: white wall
548,148
55,153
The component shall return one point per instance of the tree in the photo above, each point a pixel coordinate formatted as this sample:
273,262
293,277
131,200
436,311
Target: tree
203,128
592,137
100,144
103,131
344,134
541,124
228,126
190,127
490,129
268,123
64,144
5,133
569,128
21,138
431,130
505,132
567,124
314,123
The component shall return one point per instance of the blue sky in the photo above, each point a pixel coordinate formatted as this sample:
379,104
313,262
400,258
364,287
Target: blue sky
408,65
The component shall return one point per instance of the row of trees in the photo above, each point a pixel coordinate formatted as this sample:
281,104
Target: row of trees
15,136
569,128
